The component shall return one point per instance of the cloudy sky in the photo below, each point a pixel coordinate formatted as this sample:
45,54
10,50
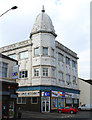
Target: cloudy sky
71,20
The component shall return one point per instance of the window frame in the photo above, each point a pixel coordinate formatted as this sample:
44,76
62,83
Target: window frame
60,57
44,51
36,72
67,60
45,72
21,100
25,74
23,52
37,48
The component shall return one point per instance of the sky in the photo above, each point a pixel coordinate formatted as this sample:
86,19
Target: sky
71,20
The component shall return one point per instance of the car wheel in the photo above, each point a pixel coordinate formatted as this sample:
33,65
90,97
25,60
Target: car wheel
71,112
59,111
79,109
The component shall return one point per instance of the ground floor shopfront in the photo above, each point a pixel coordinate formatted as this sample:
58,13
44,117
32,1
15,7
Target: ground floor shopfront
46,98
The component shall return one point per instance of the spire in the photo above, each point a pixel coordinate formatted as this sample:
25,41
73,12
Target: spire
43,10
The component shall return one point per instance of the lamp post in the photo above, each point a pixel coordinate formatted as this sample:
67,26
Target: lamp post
14,7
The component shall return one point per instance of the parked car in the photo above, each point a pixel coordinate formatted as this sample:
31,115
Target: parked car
85,107
68,110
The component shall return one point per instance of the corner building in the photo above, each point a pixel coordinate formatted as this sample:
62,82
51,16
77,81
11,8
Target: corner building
48,77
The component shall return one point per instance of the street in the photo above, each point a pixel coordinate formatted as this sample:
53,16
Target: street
43,116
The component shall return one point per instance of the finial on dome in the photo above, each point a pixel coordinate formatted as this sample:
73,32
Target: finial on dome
43,10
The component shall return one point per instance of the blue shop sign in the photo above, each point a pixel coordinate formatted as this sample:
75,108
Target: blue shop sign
45,94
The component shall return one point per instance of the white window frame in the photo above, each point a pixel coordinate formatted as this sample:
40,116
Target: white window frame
36,50
67,61
45,72
73,63
22,54
61,78
21,74
44,51
36,72
52,52
74,80
21,99
60,57
53,72
68,80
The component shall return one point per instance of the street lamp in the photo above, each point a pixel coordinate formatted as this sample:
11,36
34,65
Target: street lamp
14,7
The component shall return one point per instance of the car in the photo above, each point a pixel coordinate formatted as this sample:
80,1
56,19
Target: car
85,107
68,110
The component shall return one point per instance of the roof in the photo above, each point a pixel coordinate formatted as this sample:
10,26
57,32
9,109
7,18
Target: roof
43,23
87,81
6,57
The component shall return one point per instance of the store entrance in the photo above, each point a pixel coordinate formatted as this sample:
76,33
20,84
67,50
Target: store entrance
45,104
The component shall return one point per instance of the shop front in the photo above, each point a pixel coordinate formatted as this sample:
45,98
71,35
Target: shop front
45,101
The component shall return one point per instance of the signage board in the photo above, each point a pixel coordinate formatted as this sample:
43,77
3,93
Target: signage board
15,72
45,94
28,93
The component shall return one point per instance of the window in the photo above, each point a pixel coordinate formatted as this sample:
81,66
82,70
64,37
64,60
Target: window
60,57
3,69
13,56
60,75
23,55
34,100
74,79
73,63
36,72
45,71
53,72
36,51
67,60
45,50
23,74
67,78
52,53
21,100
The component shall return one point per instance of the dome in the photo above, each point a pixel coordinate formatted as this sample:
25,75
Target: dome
43,24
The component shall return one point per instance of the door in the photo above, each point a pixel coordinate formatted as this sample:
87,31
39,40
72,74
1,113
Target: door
45,104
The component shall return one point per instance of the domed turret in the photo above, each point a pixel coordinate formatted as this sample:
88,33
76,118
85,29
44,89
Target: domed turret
43,24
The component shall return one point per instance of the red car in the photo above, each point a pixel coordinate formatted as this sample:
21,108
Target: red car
68,110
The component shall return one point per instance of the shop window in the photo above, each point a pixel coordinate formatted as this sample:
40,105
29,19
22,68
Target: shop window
45,71
54,103
67,61
3,69
45,50
36,51
34,100
21,100
23,74
60,57
13,56
23,55
36,72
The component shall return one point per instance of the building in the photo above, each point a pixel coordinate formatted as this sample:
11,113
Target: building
48,77
9,87
85,87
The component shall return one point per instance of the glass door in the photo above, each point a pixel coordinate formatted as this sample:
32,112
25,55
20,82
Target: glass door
45,104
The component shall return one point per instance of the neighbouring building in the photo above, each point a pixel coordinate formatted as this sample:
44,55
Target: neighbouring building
85,87
48,72
9,87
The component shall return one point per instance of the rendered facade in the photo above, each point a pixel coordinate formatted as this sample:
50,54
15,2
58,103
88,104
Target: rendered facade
48,77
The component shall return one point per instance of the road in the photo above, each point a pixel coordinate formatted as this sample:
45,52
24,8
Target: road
85,115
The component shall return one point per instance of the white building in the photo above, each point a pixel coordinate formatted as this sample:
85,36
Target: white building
48,70
85,87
